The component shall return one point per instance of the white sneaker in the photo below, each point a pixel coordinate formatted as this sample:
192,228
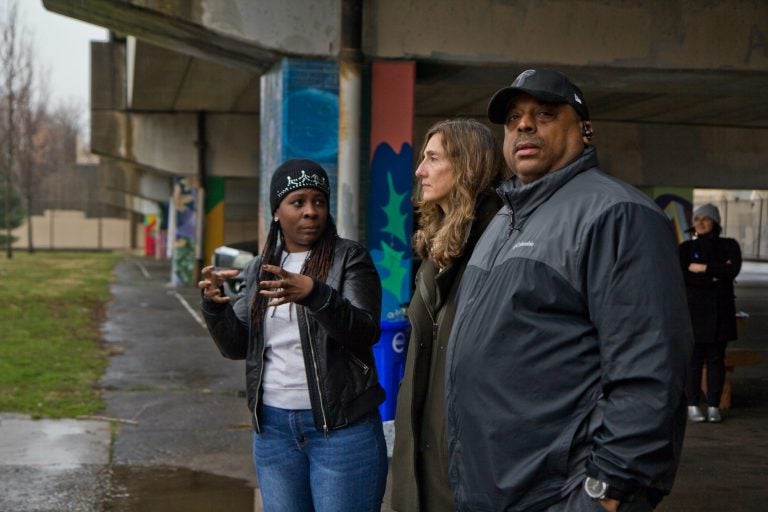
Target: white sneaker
713,415
695,414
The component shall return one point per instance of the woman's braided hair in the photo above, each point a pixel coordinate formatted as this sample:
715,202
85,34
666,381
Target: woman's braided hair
317,265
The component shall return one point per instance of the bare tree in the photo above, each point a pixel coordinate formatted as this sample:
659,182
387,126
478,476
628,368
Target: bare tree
35,142
16,64
53,154
28,145
49,147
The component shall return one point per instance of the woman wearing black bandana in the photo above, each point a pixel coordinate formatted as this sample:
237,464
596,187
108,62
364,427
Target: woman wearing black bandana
306,325
710,264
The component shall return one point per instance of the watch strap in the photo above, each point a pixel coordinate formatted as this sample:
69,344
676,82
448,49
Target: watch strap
610,492
615,494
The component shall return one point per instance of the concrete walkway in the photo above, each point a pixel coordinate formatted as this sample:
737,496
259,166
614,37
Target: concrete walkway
724,466
176,435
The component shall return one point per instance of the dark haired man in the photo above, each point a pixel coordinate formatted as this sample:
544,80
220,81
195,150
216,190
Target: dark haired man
567,360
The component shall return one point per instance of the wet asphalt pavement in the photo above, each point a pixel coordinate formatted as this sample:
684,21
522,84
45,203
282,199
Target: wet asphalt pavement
724,466
175,434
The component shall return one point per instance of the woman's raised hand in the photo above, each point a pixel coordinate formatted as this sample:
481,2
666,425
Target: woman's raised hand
212,282
288,287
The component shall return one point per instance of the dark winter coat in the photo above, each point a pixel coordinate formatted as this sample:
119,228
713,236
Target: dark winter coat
710,294
420,437
338,325
570,346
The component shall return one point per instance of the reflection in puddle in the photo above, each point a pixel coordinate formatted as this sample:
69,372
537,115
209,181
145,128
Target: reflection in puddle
153,489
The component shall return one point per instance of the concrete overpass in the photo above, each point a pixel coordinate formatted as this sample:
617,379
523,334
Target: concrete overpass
676,89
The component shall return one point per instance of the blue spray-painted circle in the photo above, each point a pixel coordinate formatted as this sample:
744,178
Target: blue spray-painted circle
313,124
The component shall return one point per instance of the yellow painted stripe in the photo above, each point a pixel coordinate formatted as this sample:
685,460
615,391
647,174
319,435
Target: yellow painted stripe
214,231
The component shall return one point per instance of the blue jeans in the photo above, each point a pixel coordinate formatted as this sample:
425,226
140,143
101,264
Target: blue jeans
300,469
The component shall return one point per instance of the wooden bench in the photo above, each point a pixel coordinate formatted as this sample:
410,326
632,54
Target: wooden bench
733,357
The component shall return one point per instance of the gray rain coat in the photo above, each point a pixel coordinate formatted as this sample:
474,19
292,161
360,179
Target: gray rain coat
570,346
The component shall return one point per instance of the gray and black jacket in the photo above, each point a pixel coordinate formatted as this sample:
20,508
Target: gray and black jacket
570,345
338,325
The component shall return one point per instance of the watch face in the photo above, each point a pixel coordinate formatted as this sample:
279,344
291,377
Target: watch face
595,488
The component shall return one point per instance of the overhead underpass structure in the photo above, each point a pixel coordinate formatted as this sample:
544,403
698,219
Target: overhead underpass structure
213,93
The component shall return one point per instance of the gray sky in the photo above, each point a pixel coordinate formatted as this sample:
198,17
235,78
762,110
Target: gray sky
62,47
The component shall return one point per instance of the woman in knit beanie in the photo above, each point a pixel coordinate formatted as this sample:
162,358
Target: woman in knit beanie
710,264
306,325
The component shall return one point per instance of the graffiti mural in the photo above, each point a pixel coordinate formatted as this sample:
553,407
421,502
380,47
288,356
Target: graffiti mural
150,234
679,211
184,211
390,212
390,220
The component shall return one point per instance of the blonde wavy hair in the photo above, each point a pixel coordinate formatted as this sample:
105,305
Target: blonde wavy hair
478,165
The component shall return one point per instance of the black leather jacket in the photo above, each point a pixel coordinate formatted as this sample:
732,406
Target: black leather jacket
338,324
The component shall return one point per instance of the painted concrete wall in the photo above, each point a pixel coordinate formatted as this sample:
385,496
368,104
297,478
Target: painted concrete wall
300,119
390,212
70,229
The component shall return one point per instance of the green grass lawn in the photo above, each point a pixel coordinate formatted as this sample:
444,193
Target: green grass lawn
51,355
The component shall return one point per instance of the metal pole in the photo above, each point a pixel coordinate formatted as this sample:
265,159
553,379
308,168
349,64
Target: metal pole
100,197
9,159
350,65
28,174
759,228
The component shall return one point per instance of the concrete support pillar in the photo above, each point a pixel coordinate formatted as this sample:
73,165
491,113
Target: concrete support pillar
349,150
390,213
350,67
299,119
183,231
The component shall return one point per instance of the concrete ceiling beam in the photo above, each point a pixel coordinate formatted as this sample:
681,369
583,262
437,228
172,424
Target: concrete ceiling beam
165,80
166,142
190,27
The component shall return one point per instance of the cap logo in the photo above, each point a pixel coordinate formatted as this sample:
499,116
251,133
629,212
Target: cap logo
576,97
521,78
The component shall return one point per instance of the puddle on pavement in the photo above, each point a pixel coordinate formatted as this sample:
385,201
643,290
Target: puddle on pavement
152,489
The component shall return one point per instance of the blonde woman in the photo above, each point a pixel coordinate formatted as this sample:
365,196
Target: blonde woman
461,164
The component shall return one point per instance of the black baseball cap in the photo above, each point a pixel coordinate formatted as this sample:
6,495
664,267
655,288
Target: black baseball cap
544,85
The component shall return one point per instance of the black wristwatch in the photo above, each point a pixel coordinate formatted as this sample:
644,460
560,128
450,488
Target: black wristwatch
599,490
